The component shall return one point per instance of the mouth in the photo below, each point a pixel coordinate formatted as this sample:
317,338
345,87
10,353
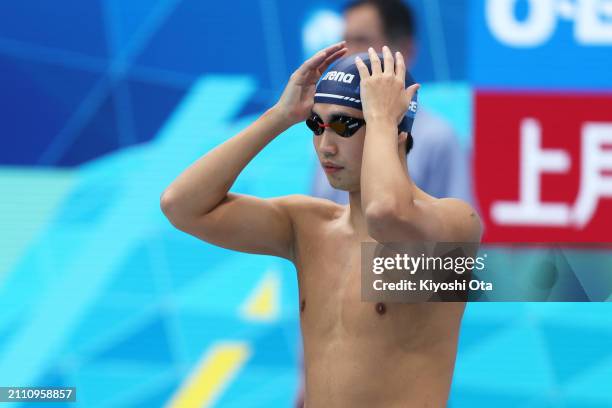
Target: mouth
331,167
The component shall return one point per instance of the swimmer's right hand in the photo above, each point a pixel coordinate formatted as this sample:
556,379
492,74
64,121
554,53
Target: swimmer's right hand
297,99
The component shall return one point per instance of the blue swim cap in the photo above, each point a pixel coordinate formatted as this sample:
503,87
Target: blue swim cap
339,85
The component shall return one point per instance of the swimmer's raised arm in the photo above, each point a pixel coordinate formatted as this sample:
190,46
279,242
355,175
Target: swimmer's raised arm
198,202
391,208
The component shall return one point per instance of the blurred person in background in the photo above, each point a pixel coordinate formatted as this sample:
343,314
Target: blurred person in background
439,165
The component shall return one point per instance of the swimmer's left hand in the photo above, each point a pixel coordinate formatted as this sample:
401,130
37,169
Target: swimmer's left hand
383,96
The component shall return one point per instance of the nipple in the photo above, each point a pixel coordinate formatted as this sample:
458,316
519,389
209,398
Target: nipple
381,308
302,305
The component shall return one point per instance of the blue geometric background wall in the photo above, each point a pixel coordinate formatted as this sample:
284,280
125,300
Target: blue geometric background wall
81,79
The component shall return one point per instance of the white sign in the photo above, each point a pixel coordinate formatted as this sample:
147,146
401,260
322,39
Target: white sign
592,20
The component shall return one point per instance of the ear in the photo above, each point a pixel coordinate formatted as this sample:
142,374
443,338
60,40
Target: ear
402,139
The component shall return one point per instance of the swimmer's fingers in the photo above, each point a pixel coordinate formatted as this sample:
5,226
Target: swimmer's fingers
316,60
362,68
389,65
400,66
374,61
411,90
329,60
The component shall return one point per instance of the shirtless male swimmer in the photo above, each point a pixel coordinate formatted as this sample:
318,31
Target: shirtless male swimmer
356,354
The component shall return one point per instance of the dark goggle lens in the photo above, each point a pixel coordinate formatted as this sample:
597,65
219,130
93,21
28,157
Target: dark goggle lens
315,126
343,126
339,127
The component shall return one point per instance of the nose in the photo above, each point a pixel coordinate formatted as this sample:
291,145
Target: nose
327,144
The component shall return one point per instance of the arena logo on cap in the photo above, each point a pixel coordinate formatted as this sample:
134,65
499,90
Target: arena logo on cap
339,76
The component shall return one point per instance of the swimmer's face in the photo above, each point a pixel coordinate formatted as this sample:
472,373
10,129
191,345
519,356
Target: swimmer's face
340,156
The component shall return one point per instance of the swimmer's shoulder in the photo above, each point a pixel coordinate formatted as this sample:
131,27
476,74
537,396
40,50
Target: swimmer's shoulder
462,222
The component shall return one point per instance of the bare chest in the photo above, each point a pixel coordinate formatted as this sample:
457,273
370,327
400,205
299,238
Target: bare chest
329,273
331,305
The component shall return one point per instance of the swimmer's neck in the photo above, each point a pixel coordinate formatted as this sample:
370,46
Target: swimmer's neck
356,219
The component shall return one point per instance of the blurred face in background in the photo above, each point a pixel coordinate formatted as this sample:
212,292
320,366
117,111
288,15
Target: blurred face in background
363,28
